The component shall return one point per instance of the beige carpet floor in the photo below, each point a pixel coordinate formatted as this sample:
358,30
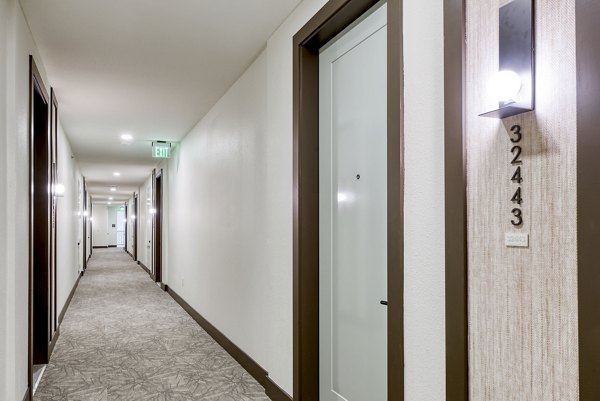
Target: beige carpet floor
123,338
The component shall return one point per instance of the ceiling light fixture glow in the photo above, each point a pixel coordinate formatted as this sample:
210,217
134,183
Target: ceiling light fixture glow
116,174
127,137
113,189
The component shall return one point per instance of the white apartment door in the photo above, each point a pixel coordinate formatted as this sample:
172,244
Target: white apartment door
353,215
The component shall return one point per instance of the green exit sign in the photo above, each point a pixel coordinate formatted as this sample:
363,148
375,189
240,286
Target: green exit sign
161,150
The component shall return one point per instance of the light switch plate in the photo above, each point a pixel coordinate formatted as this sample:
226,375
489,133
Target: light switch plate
517,240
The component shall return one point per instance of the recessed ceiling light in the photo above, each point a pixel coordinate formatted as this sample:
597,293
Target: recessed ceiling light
110,203
116,174
111,198
127,137
113,189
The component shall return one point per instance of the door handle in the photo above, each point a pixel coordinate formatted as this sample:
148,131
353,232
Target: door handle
383,303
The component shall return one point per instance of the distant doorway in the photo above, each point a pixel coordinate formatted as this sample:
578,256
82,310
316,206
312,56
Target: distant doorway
85,224
158,216
135,226
121,227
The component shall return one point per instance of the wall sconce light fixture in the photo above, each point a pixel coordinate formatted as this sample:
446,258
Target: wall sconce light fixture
59,190
515,81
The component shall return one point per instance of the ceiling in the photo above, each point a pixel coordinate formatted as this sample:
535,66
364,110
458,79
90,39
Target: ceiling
150,68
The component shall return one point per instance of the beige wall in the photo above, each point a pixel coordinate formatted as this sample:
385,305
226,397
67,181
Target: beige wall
523,302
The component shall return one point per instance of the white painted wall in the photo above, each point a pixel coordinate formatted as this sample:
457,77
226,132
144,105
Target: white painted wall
100,226
218,215
16,44
230,194
69,221
424,285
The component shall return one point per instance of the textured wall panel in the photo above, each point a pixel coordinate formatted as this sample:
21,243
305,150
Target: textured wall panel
523,302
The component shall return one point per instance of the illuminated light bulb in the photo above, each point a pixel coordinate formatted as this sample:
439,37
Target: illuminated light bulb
113,189
116,174
127,137
508,85
152,211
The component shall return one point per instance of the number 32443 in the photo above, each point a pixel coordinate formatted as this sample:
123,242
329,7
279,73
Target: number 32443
517,176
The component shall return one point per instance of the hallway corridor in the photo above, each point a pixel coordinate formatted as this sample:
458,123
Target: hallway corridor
123,338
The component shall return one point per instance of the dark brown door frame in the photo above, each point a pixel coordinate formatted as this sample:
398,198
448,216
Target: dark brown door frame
457,367
127,220
40,143
158,220
91,224
135,226
84,222
333,18
588,195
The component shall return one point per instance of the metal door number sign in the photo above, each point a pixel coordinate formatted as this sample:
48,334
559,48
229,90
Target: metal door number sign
517,176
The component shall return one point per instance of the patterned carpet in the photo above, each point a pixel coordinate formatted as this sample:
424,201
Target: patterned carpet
123,338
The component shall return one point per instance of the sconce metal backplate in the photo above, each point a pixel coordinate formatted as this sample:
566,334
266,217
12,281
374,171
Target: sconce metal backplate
517,53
